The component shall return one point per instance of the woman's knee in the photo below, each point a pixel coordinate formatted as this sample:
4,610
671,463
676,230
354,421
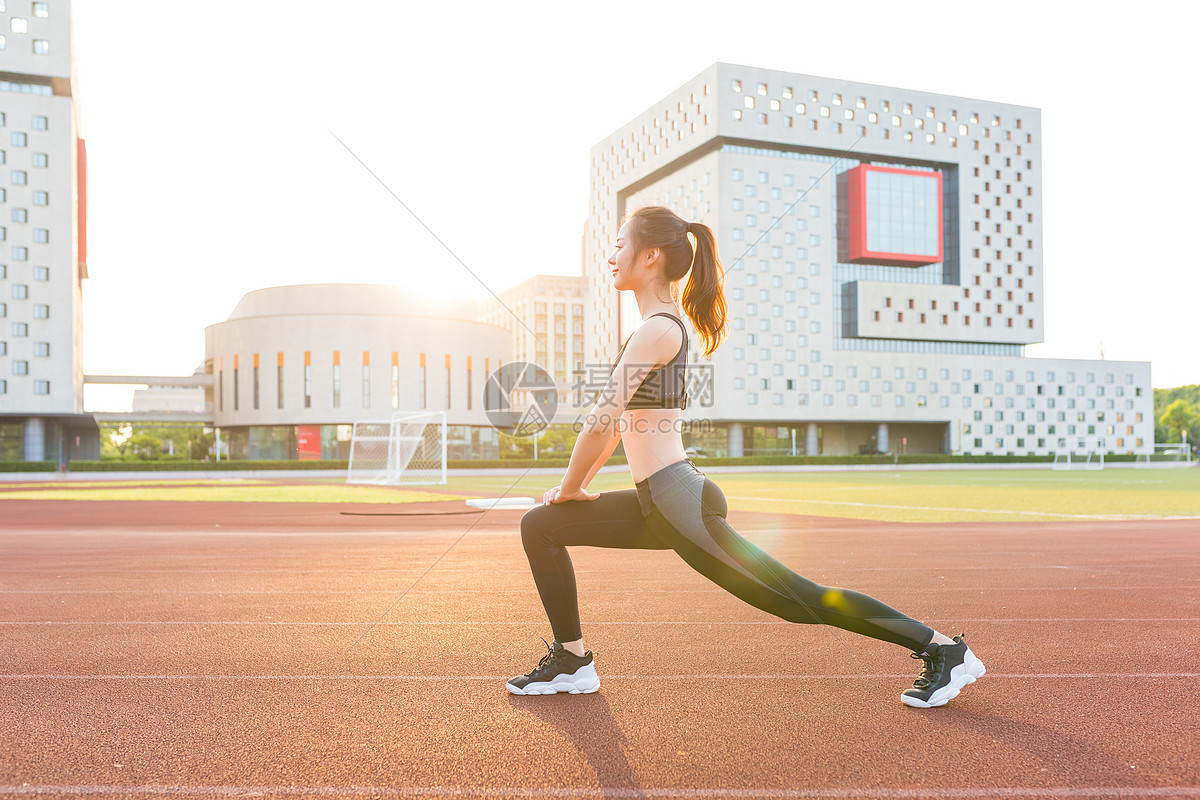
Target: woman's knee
534,527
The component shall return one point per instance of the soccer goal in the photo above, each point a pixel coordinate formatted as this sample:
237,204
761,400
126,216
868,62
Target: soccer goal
408,449
1177,454
1079,453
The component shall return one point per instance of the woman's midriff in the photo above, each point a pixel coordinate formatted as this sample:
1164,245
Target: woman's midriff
653,439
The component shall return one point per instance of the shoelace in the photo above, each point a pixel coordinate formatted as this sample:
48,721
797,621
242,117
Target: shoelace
546,659
932,671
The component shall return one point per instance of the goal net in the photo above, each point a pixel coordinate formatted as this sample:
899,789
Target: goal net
1178,454
1079,453
408,449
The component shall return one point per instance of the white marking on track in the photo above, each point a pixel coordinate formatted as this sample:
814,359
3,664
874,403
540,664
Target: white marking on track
714,676
605,792
779,623
968,510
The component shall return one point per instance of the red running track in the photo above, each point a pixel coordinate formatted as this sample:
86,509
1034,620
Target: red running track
209,650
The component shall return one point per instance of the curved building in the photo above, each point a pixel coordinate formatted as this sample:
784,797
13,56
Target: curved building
295,366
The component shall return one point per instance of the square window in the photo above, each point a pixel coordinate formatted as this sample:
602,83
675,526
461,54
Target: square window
41,47
41,387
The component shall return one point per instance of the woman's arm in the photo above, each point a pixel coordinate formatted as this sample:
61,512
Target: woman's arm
654,342
603,459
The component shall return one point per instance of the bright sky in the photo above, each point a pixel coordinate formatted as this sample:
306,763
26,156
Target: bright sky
213,170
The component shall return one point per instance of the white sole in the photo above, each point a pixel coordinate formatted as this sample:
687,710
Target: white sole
963,675
583,681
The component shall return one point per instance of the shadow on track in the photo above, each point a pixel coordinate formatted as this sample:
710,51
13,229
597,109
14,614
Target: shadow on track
587,721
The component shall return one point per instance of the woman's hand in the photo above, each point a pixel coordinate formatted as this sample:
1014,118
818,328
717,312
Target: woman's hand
557,495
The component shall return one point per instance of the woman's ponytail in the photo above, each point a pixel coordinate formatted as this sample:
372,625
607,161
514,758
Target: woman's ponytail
704,296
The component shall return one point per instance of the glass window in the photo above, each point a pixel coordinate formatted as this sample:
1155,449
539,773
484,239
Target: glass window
20,367
41,387
18,139
41,311
41,47
41,198
41,123
20,291
41,236
20,330
41,10
18,177
18,25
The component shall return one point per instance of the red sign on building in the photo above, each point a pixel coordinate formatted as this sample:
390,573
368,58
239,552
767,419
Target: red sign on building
894,216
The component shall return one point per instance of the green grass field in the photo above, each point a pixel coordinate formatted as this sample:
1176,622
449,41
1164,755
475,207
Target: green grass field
941,495
903,496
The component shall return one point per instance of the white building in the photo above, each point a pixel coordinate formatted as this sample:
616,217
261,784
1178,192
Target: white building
884,259
43,240
546,318
294,367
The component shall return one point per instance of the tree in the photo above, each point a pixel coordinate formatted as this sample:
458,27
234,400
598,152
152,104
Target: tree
145,447
1164,398
1180,416
114,440
199,444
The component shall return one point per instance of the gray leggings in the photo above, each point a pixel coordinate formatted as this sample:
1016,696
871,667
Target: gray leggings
678,508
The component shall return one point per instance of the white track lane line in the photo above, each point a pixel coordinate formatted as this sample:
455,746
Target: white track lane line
1113,517
600,792
715,677
477,623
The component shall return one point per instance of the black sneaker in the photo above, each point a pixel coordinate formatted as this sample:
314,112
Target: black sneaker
560,670
948,668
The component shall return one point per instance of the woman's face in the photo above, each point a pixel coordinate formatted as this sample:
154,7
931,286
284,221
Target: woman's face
623,260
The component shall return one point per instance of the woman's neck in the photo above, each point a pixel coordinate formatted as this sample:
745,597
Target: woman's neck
649,300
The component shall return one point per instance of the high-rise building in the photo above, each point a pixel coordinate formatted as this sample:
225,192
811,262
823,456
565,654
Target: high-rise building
545,315
43,236
883,250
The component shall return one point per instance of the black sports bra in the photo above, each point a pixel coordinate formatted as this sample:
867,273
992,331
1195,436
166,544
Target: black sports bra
663,387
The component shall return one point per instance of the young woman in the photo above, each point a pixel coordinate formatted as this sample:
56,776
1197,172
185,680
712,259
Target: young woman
674,506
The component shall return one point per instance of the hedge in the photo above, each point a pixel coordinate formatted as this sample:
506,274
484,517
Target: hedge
555,460
28,466
199,466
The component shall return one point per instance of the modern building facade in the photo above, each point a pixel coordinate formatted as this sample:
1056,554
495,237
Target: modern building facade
43,239
545,317
883,250
294,367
